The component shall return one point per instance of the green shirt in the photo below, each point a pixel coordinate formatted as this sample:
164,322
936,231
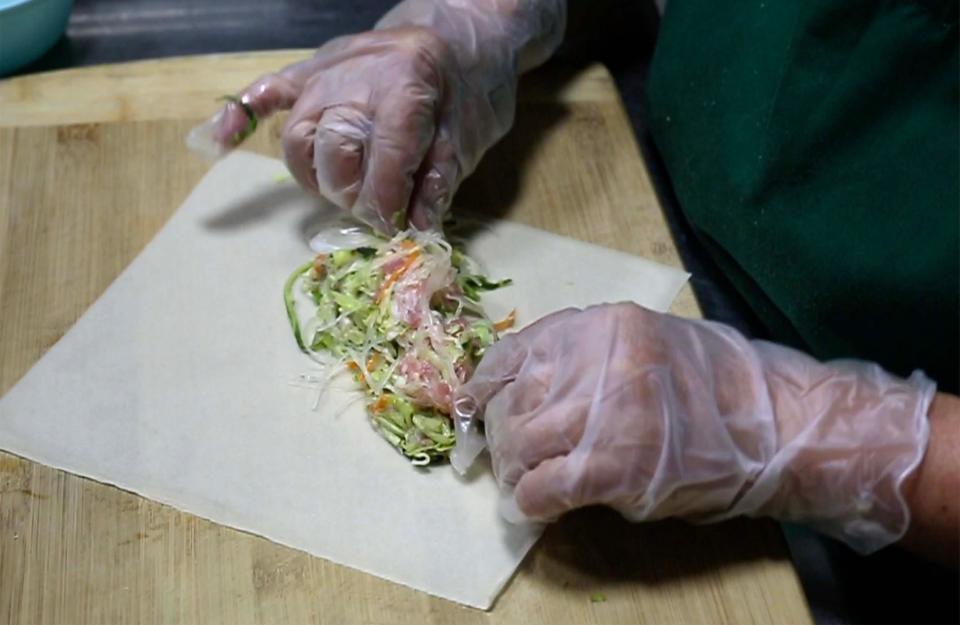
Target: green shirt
813,145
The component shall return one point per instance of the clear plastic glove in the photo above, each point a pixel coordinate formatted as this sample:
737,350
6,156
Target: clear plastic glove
387,123
658,416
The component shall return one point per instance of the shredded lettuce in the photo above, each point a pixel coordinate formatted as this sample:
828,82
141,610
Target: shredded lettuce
405,318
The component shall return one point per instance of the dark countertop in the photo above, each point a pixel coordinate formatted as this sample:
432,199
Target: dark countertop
841,587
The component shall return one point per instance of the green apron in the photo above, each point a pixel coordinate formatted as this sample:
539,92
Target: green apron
813,146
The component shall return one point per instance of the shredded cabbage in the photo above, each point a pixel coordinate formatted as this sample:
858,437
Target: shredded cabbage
404,315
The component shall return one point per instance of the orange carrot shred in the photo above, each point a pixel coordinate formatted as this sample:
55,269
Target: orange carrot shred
380,405
318,265
396,275
507,322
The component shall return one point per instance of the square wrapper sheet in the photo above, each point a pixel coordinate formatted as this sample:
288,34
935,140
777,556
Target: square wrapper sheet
183,383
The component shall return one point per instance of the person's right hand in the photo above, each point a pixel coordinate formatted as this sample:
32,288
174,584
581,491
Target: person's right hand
387,123
659,416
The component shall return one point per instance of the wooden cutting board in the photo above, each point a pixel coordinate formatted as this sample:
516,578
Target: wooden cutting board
92,163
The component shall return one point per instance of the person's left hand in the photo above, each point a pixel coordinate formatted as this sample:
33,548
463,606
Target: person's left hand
386,124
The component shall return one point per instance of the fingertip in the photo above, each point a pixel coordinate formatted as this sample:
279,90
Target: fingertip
426,217
434,185
233,125
543,493
564,483
221,133
510,510
428,207
384,195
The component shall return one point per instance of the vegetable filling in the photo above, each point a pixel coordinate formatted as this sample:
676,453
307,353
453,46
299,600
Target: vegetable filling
405,317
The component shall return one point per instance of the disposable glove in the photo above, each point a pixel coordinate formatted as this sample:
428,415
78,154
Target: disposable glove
658,416
387,123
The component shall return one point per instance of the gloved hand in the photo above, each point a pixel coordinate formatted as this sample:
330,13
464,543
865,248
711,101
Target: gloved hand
658,416
387,123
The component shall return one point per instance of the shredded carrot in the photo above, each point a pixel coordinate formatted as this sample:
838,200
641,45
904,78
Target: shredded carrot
407,244
352,366
507,321
380,405
396,275
372,362
318,265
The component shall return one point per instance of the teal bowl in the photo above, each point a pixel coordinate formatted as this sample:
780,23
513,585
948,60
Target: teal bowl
28,28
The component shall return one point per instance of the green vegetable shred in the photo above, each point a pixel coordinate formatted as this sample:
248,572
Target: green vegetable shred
404,317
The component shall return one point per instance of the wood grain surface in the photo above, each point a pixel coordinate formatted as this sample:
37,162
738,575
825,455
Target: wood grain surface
92,164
